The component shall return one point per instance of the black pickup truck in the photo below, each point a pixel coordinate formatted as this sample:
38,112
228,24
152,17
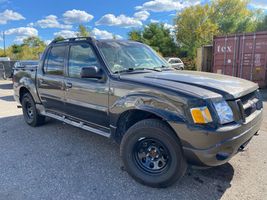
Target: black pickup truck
163,119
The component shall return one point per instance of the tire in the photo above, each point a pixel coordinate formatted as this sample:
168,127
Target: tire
30,113
152,141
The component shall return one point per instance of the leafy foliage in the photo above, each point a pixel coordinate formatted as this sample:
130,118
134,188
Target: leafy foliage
195,28
262,26
30,49
157,36
83,31
59,38
196,25
232,16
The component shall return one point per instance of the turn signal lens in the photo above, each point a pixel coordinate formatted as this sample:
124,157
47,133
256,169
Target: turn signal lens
201,115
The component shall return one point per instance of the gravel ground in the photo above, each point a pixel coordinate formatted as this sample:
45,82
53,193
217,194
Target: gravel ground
57,161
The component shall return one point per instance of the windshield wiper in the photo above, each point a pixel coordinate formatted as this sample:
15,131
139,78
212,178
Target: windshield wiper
131,69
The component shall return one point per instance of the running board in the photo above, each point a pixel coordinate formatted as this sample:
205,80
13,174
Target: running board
76,124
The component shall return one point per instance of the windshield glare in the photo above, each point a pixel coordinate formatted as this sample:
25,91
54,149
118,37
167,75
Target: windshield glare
124,55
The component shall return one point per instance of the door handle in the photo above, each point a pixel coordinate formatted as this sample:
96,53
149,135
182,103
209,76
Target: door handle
68,85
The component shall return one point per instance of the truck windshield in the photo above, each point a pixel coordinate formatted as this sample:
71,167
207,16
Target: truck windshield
124,56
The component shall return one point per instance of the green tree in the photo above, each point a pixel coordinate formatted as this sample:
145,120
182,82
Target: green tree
233,16
158,37
135,35
33,42
59,38
262,25
194,28
83,31
196,25
16,51
30,49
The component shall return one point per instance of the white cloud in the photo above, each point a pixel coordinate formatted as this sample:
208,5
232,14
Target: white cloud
121,20
22,33
259,4
66,34
142,15
47,42
76,16
154,21
103,34
10,15
172,28
19,39
168,26
50,21
165,5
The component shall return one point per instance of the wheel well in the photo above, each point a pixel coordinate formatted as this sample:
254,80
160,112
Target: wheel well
129,118
22,91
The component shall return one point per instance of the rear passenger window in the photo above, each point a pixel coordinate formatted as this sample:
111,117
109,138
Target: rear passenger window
55,61
81,55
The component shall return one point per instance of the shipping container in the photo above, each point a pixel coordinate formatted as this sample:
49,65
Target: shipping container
242,55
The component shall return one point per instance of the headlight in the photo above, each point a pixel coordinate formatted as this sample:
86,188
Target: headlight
224,112
201,115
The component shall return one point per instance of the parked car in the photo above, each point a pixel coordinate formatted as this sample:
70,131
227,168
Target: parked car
4,59
176,63
163,119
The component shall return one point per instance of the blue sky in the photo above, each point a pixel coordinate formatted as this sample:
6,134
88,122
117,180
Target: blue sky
47,19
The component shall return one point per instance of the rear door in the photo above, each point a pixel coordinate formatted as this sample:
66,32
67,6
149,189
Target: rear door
50,82
86,98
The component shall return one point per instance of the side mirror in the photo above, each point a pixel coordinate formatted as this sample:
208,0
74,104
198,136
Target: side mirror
92,72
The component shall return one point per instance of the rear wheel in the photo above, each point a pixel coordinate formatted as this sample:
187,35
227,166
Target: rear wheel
30,113
152,154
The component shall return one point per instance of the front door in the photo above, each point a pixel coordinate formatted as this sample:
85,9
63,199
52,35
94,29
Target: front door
86,98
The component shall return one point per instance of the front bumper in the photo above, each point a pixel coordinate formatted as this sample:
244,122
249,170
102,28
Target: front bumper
216,147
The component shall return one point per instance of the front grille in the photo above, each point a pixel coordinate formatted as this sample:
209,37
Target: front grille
248,104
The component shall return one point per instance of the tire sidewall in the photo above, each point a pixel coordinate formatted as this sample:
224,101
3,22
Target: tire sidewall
27,98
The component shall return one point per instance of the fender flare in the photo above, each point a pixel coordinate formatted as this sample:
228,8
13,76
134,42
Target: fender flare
29,84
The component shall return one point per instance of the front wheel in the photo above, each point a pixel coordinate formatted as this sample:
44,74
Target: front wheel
30,113
152,154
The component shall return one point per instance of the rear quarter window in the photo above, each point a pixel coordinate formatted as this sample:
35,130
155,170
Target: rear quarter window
54,63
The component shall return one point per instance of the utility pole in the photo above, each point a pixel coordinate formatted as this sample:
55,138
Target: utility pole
4,40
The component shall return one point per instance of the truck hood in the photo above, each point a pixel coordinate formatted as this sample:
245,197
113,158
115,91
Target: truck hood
200,83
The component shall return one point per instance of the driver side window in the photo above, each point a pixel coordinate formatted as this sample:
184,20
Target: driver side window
81,55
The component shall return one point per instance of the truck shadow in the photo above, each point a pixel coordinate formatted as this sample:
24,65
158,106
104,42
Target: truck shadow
264,94
7,98
89,164
6,86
